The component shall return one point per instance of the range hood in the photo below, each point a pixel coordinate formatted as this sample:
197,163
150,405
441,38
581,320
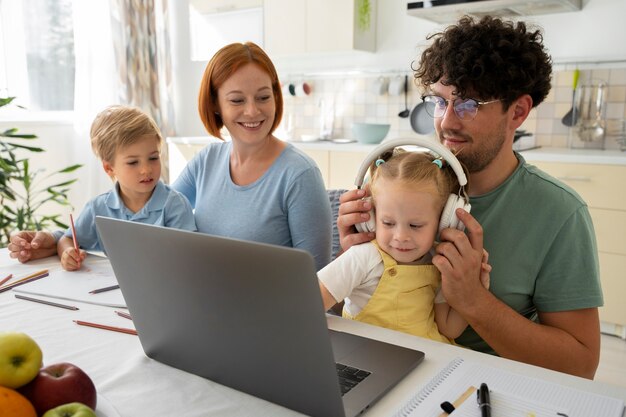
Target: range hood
448,11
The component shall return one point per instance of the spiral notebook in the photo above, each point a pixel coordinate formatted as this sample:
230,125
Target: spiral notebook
511,395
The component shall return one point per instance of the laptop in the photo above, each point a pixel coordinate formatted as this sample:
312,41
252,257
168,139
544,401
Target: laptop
246,315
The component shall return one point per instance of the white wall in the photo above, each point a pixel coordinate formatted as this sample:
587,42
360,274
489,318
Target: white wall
595,33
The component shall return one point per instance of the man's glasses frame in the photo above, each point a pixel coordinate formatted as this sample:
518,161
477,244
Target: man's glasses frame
464,108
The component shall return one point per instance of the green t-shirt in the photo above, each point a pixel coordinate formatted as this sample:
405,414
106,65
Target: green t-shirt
541,245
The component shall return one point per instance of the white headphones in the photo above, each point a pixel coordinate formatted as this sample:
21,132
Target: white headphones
455,201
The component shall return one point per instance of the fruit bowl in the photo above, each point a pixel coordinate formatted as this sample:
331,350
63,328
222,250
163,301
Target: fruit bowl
370,133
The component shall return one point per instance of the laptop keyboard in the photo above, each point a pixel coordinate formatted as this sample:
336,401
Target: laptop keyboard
349,377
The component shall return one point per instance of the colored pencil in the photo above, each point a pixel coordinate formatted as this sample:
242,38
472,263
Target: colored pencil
73,232
105,327
99,290
5,279
123,314
50,303
30,278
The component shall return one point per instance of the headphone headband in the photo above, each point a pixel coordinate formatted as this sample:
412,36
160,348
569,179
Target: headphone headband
435,147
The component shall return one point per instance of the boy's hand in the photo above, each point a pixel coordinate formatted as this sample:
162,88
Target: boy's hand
71,259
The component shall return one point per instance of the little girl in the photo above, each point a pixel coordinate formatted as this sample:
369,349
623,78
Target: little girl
390,281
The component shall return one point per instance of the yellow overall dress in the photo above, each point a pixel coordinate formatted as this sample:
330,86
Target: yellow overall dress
404,299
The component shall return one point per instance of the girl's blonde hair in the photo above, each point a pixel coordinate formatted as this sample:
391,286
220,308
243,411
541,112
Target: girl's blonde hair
415,168
119,126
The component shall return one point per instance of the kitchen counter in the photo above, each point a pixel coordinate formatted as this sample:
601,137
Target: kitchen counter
543,154
580,156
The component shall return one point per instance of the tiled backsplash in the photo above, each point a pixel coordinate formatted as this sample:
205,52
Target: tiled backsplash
354,100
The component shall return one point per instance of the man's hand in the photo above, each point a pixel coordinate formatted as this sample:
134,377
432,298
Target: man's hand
353,210
27,245
459,258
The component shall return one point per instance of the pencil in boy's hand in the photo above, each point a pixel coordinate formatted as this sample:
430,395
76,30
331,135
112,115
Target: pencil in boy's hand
105,327
73,233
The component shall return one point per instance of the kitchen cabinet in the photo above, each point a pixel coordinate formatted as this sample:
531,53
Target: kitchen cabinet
599,185
302,26
338,163
339,168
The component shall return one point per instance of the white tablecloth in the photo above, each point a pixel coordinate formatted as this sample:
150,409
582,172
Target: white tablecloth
138,386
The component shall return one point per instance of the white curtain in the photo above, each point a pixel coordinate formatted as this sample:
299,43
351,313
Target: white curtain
96,87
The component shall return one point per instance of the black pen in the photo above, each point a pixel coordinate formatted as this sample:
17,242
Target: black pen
482,396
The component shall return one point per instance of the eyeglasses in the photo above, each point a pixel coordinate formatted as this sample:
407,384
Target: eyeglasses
464,108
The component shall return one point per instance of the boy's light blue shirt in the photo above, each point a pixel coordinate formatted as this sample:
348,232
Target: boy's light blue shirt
166,207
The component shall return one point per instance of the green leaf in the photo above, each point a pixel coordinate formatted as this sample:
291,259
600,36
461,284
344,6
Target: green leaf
6,100
70,169
29,148
21,136
62,184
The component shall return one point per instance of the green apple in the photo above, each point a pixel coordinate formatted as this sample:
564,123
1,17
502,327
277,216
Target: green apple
70,410
20,359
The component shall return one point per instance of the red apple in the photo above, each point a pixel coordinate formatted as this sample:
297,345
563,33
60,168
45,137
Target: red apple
59,384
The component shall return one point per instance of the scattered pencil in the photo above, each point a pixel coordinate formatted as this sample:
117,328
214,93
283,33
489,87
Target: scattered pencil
99,290
122,314
50,303
105,327
30,278
5,279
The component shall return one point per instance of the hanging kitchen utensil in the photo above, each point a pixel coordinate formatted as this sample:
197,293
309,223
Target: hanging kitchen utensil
405,113
421,121
592,127
571,117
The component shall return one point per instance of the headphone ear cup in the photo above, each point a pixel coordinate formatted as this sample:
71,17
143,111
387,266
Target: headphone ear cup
368,226
448,215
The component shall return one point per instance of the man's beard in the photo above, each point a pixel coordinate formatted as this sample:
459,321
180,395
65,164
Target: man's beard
482,155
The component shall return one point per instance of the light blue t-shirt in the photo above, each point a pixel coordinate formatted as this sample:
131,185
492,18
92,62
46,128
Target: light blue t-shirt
288,205
166,207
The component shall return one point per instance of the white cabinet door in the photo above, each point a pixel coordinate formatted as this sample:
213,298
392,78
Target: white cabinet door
329,25
285,25
344,167
301,26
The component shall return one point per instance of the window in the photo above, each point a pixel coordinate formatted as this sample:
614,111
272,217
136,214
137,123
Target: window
37,53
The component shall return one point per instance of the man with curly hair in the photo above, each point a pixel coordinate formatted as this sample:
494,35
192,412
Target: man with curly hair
480,81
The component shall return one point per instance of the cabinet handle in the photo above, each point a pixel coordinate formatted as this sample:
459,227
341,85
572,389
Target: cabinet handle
575,178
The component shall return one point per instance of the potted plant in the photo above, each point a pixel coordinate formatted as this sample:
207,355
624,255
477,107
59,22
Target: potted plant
23,191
